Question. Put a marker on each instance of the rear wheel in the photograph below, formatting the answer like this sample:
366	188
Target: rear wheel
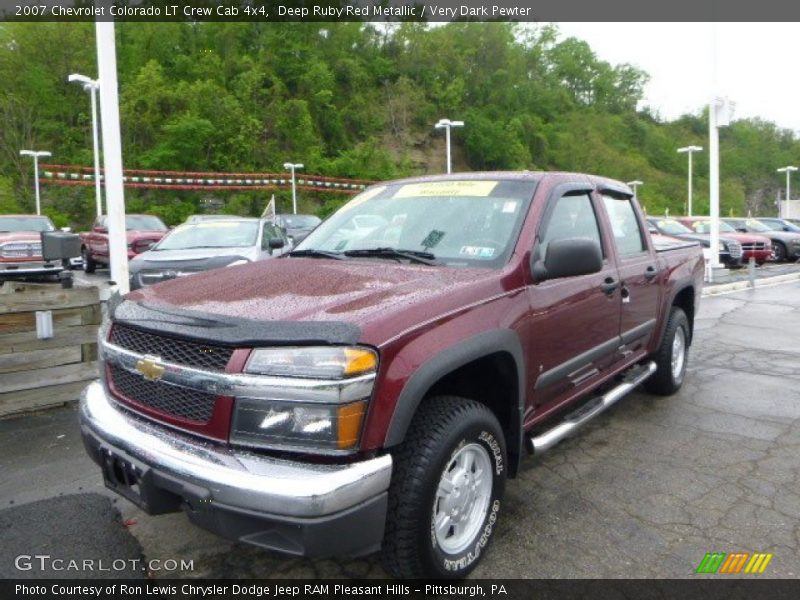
89	265
444	499
671	356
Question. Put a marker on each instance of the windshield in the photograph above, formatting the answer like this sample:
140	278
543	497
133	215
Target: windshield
211	234
15	224
301	221
756	225
671	227
144	223
463	223
705	227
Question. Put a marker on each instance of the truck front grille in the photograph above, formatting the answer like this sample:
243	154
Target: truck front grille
174	350
735	249
184	403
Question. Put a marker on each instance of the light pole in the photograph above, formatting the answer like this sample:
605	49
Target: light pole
447	124
36	154
689	150
92	86
292	167
720	113
634	184
788	170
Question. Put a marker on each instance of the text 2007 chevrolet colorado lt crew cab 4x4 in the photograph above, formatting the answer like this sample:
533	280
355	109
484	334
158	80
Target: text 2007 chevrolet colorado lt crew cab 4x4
375	388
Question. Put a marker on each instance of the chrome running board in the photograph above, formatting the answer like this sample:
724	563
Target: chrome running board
587	412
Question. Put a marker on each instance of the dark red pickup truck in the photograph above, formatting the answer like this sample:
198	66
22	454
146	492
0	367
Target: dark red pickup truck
141	232
375	388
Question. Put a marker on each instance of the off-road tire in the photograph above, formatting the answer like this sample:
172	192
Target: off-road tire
442	427
664	382
89	265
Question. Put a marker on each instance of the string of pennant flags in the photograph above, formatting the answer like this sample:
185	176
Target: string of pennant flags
187	180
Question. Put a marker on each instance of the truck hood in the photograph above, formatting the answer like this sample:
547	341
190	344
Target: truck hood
747	238
133	235
20	236
381	297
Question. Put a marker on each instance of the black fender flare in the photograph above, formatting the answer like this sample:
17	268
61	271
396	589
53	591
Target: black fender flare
447	361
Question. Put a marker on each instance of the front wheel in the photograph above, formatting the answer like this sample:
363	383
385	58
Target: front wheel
447	486
671	356
89	265
778	252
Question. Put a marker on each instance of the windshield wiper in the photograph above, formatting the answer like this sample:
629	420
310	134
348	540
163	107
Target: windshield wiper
314	253
425	258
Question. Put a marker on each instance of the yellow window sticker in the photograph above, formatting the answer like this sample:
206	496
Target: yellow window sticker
446	188
363	197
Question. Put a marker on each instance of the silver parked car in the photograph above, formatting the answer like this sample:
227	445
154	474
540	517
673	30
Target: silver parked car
208	244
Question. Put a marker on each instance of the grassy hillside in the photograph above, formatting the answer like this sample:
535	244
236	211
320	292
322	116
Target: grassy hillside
353	100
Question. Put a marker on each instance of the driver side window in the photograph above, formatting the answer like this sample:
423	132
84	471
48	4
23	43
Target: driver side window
573	217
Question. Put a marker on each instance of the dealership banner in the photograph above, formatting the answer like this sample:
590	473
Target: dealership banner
399	10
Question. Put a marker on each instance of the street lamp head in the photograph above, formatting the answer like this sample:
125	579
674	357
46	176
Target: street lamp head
37	153
290	166
635	182
690	149
448	123
789	169
80	79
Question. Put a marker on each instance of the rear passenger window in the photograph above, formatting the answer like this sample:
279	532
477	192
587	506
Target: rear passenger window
573	217
625	225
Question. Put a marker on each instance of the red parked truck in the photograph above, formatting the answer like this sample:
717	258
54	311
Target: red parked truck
375	388
142	231
21	247
757	247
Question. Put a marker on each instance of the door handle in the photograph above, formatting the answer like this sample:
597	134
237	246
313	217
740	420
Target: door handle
609	285
650	272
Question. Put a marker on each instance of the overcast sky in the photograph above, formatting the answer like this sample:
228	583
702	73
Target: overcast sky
757	64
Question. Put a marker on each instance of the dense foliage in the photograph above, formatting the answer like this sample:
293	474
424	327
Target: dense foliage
356	100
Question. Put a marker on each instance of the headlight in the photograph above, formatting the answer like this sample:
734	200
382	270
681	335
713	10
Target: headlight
329	425
296	425
242	261
334	362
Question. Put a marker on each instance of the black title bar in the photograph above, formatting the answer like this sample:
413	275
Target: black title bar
675	11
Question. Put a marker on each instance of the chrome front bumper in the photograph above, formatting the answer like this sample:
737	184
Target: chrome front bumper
235	479
30	268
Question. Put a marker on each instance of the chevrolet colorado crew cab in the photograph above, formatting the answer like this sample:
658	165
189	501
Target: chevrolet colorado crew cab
376	387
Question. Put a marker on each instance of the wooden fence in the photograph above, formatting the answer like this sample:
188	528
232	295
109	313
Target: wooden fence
37	373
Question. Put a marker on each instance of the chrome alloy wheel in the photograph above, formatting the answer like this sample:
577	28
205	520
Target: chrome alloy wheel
462	498
678	353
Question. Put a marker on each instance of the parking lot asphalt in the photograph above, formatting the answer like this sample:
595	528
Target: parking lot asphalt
645	490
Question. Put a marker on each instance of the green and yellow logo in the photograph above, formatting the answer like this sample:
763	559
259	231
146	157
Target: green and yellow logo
735	562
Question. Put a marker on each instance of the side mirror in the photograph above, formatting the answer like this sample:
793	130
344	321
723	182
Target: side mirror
275	243
569	257
741	229
66	229
652	229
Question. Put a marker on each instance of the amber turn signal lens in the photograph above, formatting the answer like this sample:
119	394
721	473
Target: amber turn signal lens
349	418
358	361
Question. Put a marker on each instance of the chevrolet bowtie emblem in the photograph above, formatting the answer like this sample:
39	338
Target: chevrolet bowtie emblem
149	367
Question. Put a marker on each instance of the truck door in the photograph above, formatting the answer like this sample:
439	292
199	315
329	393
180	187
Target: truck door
638	272
573	333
